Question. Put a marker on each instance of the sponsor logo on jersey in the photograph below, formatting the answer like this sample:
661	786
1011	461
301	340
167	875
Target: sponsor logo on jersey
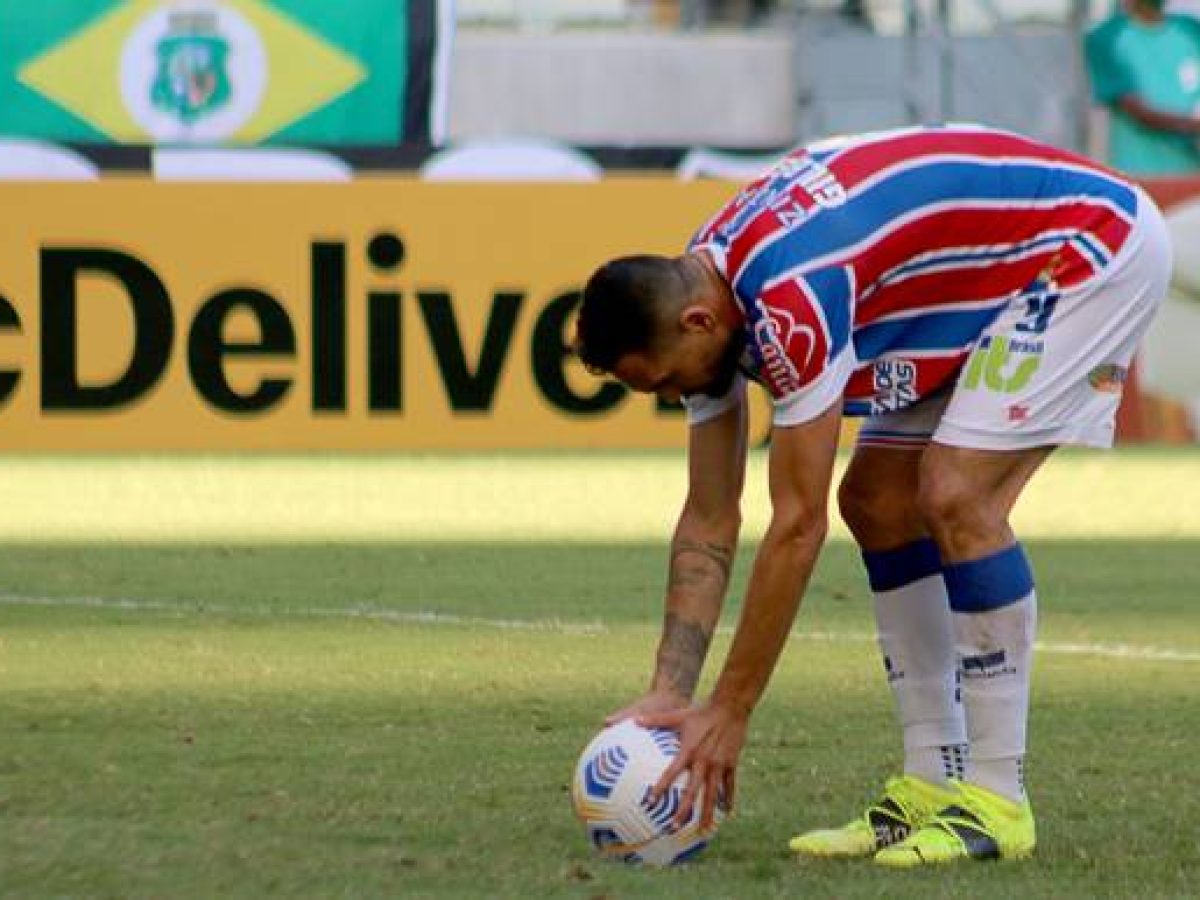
779	193
774	333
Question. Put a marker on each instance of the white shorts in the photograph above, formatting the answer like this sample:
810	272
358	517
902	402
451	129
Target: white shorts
1059	381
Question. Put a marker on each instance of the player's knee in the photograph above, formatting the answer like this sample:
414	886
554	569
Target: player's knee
946	502
869	508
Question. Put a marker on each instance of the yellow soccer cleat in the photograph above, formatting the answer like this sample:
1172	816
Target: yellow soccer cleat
906	803
978	824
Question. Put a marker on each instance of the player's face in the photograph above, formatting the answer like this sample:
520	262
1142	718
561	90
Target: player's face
693	362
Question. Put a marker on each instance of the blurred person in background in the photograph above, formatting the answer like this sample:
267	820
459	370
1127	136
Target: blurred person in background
1144	66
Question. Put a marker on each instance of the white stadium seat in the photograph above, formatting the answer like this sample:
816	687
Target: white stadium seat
510	159
22	160
248	165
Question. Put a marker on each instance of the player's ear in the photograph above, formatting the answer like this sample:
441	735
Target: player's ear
697	317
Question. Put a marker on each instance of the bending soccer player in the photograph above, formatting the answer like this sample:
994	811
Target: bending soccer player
978	298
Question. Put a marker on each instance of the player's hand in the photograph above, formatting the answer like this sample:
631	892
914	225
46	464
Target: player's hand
651	703
710	741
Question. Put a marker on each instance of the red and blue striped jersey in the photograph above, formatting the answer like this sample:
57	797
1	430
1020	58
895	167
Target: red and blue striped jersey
870	266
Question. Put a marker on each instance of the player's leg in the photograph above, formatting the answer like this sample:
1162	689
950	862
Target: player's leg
878	501
965	498
1048	372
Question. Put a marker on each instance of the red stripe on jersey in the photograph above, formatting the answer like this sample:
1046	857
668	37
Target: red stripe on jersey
1112	233
970	227
859	162
931	290
936	371
1073	267
861	385
754	235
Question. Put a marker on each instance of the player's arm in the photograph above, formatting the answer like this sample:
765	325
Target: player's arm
801	468
1160	120
702	551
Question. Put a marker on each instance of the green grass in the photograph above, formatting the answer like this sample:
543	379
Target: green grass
219	677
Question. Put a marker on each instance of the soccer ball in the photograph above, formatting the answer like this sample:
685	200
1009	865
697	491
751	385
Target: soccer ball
612	780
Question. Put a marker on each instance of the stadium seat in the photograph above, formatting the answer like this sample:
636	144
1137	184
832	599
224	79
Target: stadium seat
22	160
510	159
248	165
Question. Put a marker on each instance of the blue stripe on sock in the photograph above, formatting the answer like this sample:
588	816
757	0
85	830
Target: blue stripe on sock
989	583
891	569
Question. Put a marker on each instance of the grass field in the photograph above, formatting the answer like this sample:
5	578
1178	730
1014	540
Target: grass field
370	677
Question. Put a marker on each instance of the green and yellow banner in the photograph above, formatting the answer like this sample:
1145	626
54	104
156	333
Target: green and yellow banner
238	72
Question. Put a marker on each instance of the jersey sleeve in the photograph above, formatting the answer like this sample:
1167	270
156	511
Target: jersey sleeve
801	335
809	402
702	408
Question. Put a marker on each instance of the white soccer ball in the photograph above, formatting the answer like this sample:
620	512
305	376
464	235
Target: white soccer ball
612	780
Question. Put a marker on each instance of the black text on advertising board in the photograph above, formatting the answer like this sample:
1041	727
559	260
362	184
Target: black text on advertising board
470	381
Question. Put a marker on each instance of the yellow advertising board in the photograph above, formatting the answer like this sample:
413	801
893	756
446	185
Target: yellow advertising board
372	315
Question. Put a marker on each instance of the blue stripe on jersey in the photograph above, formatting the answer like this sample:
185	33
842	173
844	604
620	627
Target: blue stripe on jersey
931	330
908	191
1096	252
832	290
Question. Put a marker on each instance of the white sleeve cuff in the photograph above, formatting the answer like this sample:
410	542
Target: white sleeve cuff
702	408
810	401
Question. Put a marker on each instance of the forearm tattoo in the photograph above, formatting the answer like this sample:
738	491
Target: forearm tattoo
692	564
701	569
681	653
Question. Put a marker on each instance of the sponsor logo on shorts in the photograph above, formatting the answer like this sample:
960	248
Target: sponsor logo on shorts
1108	378
1018	413
1002	364
895	383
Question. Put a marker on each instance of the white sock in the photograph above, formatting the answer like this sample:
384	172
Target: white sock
913	622
995	617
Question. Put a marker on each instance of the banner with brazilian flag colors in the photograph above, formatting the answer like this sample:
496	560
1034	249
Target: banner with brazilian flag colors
239	72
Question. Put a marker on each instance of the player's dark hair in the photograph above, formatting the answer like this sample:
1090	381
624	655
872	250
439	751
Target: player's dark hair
624	303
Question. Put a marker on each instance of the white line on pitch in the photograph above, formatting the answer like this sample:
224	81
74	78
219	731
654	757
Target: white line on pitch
557	626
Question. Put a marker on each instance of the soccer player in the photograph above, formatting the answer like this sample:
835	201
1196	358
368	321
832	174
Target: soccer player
978	297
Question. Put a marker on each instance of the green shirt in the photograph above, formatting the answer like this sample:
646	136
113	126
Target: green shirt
1160	65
